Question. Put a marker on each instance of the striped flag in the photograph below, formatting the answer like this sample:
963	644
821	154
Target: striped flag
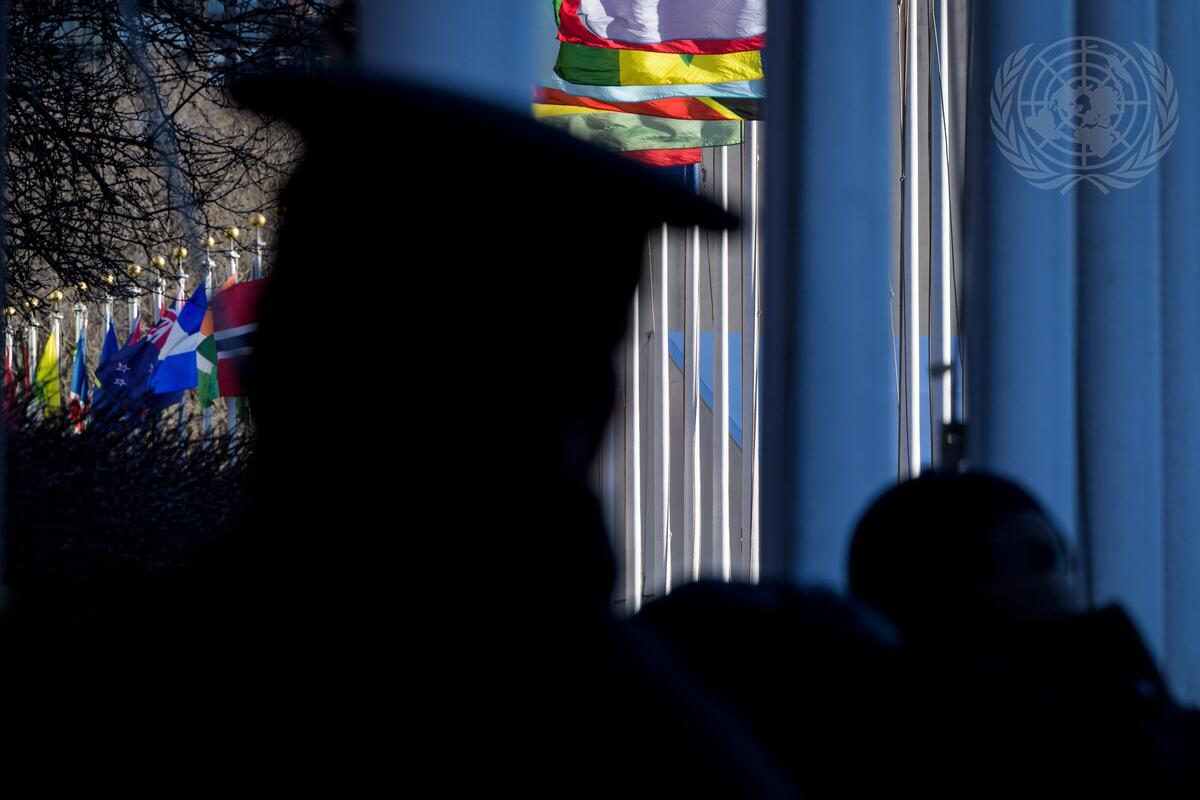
235	321
665	26
616	131
207	390
705	108
639	94
601	66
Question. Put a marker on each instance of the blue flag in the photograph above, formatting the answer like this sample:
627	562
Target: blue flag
80	385
177	345
125	382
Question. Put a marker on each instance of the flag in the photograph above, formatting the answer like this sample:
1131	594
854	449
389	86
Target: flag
110	346
207	388
137	331
47	381
639	94
705	108
235	320
176	342
80	398
600	66
12	407
125	383
665	26
665	158
615	131
109	349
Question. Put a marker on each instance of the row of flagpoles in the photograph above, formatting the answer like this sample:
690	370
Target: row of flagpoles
665	82
195	344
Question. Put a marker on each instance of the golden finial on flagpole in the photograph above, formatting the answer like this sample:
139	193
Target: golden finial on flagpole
10	311
55	297
258	220
179	253
158	262
81	287
133	270
233	233
110	279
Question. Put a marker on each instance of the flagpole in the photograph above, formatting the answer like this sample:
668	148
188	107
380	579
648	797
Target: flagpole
662	422
180	253
9	342
209	266
135	299
633	466
34	325
160	284
721	538
259	222
750	336
691	414
918	76
945	368
56	336
109	280
231	272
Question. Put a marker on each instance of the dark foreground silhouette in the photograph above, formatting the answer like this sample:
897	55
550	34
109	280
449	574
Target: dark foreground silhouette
418	593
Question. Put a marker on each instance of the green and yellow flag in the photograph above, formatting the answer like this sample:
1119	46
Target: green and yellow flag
47	381
601	66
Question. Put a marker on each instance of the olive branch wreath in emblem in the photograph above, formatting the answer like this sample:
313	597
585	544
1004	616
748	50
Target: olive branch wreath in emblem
1039	171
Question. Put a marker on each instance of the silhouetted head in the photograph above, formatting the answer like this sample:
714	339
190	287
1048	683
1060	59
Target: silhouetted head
950	546
436	341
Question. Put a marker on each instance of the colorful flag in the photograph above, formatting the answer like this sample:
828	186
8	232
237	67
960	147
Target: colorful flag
110	346
665	26
601	66
704	108
47	381
641	94
177	342
137	331
235	320
665	158
207	388
615	131
80	399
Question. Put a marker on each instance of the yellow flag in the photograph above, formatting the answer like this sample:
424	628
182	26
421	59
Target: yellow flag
47	381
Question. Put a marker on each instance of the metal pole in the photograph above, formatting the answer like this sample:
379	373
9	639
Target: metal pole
209	266
662	423
721	537
917	218
633	469
945	355
691	406
258	221
181	293
135	298
34	326
750	322
159	286
231	267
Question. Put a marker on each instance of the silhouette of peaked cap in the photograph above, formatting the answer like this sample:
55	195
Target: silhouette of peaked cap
351	110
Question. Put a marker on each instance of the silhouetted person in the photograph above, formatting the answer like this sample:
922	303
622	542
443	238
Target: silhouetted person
431	380
1022	693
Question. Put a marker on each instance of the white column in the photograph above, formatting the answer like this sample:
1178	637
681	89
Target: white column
721	537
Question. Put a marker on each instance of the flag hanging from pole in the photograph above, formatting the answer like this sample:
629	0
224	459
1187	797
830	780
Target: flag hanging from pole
80	399
665	26
666	158
639	94
235	321
600	66
207	389
700	108
616	131
47	381
177	342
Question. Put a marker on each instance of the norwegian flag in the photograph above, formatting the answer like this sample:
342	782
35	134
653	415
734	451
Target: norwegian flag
235	321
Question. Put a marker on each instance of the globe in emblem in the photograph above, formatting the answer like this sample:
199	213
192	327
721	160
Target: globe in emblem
1085	102
1084	109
